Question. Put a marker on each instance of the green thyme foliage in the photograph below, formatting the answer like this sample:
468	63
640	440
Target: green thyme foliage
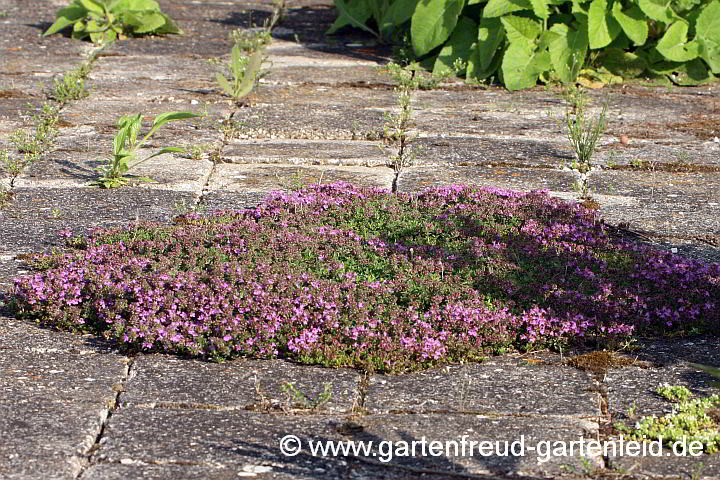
108	20
126	144
521	42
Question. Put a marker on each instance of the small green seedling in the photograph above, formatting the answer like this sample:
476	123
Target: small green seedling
302	400
125	146
72	85
108	20
244	71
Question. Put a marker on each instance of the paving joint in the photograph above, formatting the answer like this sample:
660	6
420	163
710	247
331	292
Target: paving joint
88	455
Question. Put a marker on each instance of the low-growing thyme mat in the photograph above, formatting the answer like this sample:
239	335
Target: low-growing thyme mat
345	276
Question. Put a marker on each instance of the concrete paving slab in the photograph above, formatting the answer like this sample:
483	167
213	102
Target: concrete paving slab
53	406
235	439
491	152
507	386
221	439
160	381
310	152
704	467
103	114
31	222
306	152
419	178
315	113
528	456
269	178
30	338
673	155
631	391
221	200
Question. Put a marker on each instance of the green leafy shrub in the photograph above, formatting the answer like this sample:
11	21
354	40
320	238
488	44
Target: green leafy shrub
523	41
107	20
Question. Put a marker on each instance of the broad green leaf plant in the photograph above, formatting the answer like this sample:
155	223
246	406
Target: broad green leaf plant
521	42
108	20
244	71
126	145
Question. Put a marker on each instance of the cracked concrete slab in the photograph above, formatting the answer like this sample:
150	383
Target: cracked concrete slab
160	381
32	221
504	386
270	178
419	178
306	152
54	400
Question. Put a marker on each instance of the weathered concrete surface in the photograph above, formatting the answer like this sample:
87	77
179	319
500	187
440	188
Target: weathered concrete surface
268	178
167	382
56	392
32	221
504	386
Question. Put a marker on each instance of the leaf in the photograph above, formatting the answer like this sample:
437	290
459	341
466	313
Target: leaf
143	22
66	17
673	45
602	27
694	72
491	34
224	84
164	150
399	12
458	45
708	22
498	8
169	26
521	29
522	65
658	10
92	6
540	8
354	15
707	30
567	51
167	117
622	63
432	22
632	21
251	70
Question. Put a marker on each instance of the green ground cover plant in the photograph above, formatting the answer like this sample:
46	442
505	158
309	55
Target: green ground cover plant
126	145
692	420
108	20
343	276
521	42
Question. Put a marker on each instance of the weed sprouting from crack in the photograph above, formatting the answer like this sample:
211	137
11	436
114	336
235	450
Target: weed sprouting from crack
583	133
397	125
